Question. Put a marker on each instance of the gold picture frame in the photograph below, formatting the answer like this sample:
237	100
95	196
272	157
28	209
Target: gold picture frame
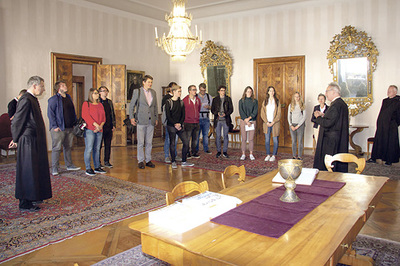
134	80
352	58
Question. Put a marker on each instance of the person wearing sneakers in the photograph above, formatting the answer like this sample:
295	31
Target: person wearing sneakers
204	120
248	109
109	126
175	113
62	118
222	108
296	119
95	117
192	115
166	140
271	116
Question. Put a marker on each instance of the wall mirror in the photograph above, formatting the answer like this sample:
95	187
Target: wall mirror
352	58
216	67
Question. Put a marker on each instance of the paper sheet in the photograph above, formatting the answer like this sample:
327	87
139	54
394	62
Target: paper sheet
306	177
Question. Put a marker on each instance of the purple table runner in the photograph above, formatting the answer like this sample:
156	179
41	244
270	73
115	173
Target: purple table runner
268	216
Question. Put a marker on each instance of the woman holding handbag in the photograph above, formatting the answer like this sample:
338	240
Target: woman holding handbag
94	115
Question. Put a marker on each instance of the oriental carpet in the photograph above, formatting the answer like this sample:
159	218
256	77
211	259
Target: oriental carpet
383	252
259	167
80	204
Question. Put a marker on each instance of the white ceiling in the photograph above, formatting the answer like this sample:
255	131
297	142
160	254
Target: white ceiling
156	9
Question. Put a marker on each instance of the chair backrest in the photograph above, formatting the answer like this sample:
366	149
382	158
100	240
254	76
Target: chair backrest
5	126
185	188
234	170
237	122
345	158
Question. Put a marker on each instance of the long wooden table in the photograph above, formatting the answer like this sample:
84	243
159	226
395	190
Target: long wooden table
320	238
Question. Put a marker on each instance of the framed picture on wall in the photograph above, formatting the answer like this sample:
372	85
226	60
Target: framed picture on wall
134	80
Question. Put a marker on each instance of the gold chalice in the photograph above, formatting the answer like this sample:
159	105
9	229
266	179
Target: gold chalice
290	170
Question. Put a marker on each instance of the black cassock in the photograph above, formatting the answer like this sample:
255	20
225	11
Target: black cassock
386	143
333	135
28	131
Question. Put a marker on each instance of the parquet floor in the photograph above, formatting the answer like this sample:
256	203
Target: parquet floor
97	245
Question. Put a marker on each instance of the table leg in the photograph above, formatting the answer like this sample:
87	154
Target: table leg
351	258
356	147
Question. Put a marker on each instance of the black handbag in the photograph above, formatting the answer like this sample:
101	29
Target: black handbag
79	128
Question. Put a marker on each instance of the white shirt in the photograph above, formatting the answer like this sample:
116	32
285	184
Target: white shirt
270	110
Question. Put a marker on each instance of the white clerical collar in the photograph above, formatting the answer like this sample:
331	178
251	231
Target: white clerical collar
31	94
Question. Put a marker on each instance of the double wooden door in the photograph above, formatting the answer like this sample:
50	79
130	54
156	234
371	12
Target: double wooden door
111	76
286	74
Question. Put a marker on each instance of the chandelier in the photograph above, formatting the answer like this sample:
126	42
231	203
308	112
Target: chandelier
180	40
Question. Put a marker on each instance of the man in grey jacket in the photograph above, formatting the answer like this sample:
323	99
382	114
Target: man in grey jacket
143	113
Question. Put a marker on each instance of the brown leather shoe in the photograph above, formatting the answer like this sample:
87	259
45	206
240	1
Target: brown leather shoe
150	164
141	165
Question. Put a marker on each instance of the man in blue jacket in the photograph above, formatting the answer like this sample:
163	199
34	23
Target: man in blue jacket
62	117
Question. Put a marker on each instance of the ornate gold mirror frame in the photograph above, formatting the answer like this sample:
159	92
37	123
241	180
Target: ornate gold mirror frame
216	67
352	57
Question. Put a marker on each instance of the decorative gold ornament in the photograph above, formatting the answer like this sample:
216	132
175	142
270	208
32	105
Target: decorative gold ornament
215	59
180	41
352	57
290	170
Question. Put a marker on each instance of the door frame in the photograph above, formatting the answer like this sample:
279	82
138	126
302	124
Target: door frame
275	60
75	59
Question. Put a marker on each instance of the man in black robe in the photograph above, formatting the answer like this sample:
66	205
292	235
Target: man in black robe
28	130
333	134
386	143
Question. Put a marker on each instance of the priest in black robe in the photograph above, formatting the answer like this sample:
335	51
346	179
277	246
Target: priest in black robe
29	134
386	143
333	134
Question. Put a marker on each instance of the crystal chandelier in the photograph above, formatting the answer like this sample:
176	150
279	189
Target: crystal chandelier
180	40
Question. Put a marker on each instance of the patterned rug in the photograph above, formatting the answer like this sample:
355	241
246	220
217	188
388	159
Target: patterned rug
383	252
80	203
259	167
253	168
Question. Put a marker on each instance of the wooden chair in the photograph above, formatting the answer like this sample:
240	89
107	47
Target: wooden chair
235	134
185	188
5	134
234	170
345	158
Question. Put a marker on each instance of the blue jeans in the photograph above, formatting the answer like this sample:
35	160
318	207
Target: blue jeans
222	125
267	141
204	129
297	138
166	143
92	145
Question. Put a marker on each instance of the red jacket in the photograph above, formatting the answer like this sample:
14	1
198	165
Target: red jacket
93	113
192	110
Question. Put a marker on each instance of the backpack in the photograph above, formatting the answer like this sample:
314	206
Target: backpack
164	114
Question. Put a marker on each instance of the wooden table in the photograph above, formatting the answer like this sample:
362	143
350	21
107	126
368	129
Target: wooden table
320	238
356	147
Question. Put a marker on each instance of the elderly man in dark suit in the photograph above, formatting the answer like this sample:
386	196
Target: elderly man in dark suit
143	113
334	130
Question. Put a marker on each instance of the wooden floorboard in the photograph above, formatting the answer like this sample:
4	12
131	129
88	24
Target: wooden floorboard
105	242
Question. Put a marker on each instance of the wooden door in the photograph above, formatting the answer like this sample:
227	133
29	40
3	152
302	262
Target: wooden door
64	72
114	78
286	74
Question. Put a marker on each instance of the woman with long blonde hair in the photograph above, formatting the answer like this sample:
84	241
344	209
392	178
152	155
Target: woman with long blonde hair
296	119
271	116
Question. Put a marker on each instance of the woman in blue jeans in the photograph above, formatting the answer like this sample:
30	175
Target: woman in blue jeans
95	117
296	119
271	116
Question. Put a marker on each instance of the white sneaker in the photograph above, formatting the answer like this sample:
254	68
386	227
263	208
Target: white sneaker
186	164
174	166
252	157
267	158
243	157
167	160
272	158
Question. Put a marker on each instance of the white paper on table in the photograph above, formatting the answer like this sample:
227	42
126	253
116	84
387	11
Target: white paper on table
193	211
249	128
306	177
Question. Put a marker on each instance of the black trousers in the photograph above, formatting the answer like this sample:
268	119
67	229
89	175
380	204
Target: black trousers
192	133
107	138
172	131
